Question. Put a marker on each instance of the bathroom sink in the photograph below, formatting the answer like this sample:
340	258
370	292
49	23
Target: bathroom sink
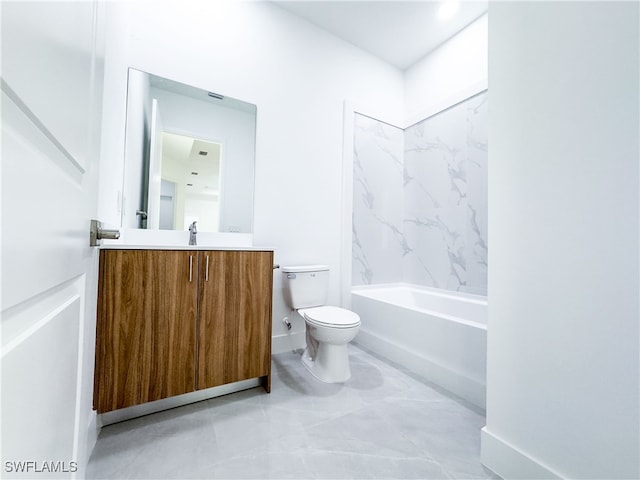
178	240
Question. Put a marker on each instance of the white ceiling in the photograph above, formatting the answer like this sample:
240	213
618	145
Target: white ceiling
182	154
399	32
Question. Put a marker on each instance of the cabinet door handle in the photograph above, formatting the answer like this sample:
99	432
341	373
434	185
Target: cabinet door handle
190	268
206	271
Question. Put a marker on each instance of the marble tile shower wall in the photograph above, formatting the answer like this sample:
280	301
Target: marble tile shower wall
378	237
420	200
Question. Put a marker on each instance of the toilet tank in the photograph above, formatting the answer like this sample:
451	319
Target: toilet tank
306	286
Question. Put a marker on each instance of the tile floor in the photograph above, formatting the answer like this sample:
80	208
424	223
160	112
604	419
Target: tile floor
382	423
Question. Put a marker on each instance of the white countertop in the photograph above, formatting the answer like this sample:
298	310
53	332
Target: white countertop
186	247
135	239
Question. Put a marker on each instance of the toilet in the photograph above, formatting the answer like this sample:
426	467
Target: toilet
329	329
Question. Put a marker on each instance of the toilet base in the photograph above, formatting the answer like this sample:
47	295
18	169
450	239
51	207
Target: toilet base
331	363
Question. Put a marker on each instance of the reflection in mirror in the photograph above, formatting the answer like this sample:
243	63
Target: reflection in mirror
190	183
189	156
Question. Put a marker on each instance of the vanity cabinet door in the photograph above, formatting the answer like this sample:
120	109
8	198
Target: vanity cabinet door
145	343
234	328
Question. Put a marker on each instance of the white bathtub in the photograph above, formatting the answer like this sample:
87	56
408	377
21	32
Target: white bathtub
436	334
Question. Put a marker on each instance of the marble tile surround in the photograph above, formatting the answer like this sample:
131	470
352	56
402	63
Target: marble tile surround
378	238
420	200
382	423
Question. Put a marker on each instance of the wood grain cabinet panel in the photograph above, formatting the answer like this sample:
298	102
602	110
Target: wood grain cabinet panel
146	326
171	322
234	328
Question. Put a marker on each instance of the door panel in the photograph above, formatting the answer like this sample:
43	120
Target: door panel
252	310
217	337
31	389
51	113
42	196
48	61
234	332
155	168
146	327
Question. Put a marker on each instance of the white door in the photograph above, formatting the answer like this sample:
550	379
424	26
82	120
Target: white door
51	108
155	167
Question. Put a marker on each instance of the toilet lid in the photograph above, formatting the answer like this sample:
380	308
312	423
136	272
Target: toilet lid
332	317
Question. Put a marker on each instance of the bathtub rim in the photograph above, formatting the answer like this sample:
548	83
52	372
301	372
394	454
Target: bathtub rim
479	300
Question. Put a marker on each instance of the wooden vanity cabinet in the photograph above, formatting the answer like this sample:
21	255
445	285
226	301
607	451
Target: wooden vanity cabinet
234	328
146	326
173	321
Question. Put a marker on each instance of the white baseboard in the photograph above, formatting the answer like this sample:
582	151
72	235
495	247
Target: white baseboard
509	462
128	413
91	438
288	342
453	381
93	430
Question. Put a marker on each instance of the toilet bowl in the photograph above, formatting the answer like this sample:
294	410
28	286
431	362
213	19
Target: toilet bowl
329	329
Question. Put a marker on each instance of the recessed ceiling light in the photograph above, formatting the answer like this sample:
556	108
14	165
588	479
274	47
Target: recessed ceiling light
448	9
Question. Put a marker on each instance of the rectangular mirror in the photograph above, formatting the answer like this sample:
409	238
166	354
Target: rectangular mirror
189	156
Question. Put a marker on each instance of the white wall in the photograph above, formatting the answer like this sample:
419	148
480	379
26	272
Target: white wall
563	377
454	71
114	111
298	76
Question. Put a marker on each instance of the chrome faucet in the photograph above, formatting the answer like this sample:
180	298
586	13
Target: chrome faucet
192	234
